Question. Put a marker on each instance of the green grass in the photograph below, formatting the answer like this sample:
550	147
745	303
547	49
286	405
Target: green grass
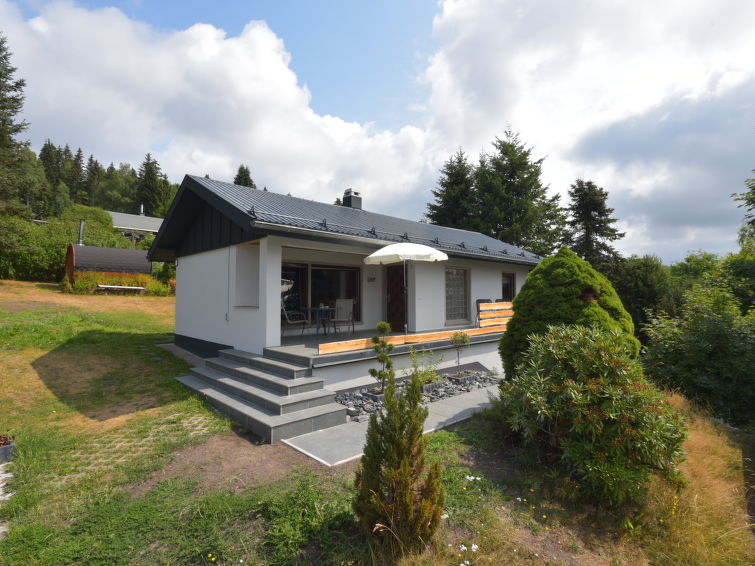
94	407
171	524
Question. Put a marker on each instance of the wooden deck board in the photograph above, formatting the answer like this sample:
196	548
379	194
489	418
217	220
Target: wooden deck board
365	343
495	306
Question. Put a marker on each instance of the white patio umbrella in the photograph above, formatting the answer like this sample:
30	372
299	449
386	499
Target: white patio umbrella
403	252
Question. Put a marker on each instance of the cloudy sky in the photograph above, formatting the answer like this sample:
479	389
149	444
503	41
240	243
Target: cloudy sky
654	101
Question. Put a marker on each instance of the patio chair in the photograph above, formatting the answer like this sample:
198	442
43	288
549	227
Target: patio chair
344	314
295	318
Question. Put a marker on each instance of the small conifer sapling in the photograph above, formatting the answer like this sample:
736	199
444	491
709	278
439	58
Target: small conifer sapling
399	499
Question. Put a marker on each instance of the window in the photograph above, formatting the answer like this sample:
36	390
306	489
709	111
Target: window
457	295
507	286
331	283
295	299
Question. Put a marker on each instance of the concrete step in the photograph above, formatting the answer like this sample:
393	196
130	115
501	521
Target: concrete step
277	402
261	378
270	365
288	356
270	427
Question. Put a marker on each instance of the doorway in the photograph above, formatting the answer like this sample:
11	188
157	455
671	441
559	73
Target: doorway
396	297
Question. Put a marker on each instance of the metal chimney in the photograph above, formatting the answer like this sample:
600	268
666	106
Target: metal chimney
141	210
81	232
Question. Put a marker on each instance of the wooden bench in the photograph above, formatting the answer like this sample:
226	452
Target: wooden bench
495	314
118	288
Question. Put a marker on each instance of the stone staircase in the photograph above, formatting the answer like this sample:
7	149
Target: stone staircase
273	398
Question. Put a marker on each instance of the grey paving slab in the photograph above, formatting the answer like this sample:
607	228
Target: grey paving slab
342	443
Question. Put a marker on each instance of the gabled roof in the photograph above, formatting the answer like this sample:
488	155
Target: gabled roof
263	212
135	222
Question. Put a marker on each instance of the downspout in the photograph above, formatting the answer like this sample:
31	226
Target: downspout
228	287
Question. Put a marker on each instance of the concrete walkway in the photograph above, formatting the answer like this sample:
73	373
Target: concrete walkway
342	443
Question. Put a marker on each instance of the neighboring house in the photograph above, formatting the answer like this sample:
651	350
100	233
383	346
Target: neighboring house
112	260
233	245
245	257
135	226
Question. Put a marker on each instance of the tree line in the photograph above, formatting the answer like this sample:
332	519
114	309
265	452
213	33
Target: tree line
503	196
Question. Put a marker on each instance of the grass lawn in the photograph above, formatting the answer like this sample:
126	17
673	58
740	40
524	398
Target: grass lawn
118	464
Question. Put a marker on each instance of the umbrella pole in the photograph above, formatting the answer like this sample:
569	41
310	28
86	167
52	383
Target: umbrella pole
406	302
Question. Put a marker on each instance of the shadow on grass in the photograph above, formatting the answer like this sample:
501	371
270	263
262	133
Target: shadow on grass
104	374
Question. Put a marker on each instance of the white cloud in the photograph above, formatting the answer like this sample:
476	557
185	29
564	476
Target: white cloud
574	78
202	102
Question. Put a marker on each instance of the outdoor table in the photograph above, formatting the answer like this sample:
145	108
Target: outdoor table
321	317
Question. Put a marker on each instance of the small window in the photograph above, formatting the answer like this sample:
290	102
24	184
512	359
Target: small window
457	295
507	286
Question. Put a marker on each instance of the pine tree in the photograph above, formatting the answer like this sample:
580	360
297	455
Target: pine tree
244	177
502	197
52	161
454	204
93	176
590	224
399	500
512	202
153	189
74	178
11	104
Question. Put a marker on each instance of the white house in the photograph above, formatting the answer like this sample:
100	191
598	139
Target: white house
234	245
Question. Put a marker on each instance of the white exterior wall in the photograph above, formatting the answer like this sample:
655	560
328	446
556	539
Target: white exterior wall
232	296
202	296
427	288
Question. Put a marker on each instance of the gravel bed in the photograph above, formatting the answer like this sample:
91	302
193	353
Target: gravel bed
360	404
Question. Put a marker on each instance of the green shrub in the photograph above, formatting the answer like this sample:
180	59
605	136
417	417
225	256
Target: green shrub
644	283
459	340
399	500
424	365
382	348
708	352
564	289
36	252
580	396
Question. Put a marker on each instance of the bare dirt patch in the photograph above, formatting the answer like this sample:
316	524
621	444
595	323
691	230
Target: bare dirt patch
236	460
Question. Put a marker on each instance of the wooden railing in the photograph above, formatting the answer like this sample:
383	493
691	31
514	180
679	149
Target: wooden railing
495	314
365	343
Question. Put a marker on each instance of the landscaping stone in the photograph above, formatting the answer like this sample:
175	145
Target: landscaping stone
5	475
362	403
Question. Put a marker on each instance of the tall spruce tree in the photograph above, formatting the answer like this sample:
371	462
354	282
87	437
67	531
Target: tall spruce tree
590	224
52	161
92	178
513	204
454	204
244	177
502	196
74	177
11	149
747	198
153	189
